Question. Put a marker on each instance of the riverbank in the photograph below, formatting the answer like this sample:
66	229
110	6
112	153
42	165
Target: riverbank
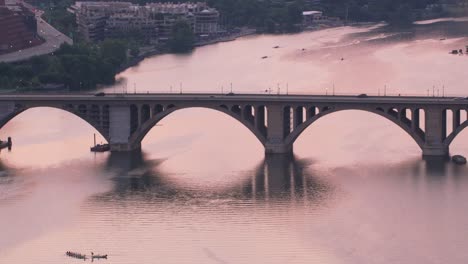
242	33
151	51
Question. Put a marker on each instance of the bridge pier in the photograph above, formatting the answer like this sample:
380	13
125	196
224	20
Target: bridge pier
277	128
272	148
120	129
124	147
435	133
435	151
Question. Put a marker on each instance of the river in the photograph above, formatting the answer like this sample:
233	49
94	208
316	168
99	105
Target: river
202	190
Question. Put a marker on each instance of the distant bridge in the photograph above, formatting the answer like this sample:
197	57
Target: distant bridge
276	120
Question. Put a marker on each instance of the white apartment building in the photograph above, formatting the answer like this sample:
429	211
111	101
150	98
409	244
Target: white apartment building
98	20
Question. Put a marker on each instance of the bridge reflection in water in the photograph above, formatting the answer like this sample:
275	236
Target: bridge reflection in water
277	177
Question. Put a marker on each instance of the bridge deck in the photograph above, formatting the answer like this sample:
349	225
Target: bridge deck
210	97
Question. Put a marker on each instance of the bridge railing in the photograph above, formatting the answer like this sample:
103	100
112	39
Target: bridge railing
245	92
293	92
286	91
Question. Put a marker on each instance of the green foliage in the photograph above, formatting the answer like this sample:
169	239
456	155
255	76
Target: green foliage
182	38
114	51
81	66
268	15
396	12
57	15
134	49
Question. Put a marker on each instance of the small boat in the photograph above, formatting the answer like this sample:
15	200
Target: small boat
6	144
276	47
75	255
264	57
459	160
100	148
98	256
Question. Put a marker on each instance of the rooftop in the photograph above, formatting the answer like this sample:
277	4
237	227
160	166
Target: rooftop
308	13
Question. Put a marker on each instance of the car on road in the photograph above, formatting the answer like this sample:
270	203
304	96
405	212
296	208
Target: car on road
230	94
362	96
100	94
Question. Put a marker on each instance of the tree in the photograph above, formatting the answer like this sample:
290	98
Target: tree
115	50
182	38
402	16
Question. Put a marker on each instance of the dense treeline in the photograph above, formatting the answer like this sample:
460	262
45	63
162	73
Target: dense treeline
398	12
182	38
285	14
270	16
56	14
77	67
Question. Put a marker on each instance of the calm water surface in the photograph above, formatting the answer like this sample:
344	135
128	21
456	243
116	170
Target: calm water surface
202	191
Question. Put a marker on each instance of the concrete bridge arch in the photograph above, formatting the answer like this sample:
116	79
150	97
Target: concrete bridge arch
150	115
400	120
85	112
458	124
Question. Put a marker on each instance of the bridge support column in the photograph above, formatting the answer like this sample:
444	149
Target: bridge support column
272	148
119	129
124	147
276	132
435	132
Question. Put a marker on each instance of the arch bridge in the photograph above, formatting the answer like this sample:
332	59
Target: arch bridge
276	120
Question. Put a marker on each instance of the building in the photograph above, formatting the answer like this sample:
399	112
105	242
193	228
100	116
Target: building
311	17
153	21
18	28
206	22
